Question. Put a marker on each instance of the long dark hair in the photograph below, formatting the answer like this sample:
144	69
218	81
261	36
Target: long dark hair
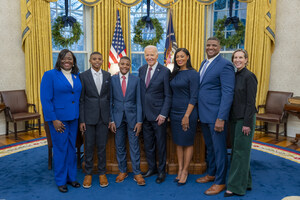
176	67
61	55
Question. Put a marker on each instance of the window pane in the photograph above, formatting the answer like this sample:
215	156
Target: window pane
80	57
75	10
136	13
136	60
221	9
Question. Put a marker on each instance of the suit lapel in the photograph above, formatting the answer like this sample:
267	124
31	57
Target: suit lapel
118	84
155	75
104	79
91	80
211	66
62	77
129	84
75	78
143	73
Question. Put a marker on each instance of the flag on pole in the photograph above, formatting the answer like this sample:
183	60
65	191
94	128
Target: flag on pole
170	46
117	49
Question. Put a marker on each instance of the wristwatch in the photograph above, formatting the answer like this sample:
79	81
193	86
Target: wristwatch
220	119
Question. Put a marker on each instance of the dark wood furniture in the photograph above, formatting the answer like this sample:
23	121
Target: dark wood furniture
274	111
294	109
17	109
197	166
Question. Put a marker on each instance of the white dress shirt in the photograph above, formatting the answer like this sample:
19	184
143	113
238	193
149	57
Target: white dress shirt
121	78
152	71
209	62
98	78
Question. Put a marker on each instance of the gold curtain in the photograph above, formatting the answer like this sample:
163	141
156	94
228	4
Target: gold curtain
36	44
189	26
104	21
260	42
90	2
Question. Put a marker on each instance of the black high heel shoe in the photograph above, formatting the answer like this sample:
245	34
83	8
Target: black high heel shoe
176	180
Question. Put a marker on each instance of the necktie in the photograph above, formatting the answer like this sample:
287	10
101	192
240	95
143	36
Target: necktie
202	72
124	85
98	82
148	77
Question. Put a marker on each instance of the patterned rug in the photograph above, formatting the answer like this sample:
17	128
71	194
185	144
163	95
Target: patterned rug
260	146
22	146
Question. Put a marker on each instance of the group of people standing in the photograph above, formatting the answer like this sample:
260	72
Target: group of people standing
96	102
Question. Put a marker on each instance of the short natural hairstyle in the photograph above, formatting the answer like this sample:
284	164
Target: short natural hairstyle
151	46
214	38
95	53
240	50
125	58
61	55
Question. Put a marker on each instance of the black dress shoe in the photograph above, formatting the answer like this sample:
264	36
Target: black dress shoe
160	178
149	173
74	184
226	194
63	188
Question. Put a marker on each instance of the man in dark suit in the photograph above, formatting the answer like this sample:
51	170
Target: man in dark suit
126	117
156	103
95	116
215	97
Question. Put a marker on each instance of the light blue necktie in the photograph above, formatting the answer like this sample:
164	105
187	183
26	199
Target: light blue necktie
203	71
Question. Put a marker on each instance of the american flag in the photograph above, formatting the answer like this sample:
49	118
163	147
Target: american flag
117	49
170	45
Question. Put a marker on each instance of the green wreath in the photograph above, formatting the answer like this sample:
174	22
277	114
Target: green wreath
141	24
58	39
233	40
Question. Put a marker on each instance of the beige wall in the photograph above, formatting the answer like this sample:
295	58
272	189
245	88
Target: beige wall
285	67
12	67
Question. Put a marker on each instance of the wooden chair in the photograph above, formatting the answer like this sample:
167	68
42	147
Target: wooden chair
16	109
274	111
79	142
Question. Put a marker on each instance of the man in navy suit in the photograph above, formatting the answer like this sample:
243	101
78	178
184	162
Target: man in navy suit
95	116
126	117
215	97
156	103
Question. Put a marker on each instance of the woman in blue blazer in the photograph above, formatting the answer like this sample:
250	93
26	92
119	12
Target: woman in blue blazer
60	92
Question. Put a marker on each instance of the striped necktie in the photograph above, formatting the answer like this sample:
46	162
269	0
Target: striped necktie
204	68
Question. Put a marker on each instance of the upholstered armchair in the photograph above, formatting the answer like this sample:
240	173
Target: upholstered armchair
274	111
16	109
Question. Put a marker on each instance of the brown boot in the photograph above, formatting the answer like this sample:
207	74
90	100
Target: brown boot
139	180
205	179
87	182
120	178
103	180
215	189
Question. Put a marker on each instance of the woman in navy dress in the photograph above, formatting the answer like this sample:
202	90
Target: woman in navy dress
184	84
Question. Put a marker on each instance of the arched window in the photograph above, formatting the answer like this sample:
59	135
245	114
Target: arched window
80	13
220	9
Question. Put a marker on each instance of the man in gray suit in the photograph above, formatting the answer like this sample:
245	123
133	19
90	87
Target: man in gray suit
95	116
